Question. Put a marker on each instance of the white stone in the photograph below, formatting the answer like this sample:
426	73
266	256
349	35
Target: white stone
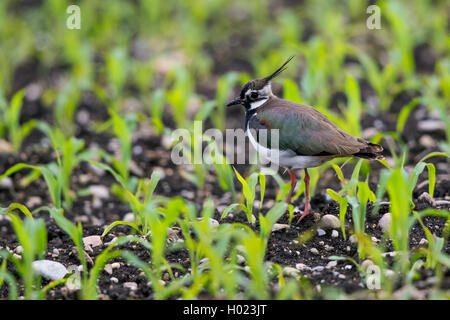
279	226
301	266
321	232
240	259
292	272
426	197
18	250
314	251
115	265
331	264
318	268
92	242
108	269
213	223
334	234
129	217
423	242
353	239
50	270
366	263
431	125
99	191
385	222
6	183
130	285
329	221
427	141
34	201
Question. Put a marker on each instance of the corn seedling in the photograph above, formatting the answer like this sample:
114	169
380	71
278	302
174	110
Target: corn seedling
224	85
179	96
10	120
123	128
32	236
156	107
65	107
249	192
142	203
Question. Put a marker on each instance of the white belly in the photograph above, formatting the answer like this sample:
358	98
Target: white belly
286	158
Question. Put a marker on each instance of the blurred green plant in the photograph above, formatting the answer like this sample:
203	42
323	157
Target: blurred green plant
10	120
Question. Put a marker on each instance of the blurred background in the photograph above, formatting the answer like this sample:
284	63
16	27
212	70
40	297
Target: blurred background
116	88
169	62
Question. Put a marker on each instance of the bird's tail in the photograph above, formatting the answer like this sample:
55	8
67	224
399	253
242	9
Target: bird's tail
372	151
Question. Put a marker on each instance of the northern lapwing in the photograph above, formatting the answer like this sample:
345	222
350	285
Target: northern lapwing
307	138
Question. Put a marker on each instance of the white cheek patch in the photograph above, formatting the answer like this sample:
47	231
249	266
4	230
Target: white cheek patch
257	104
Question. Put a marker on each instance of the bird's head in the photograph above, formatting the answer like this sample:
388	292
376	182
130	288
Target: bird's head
256	92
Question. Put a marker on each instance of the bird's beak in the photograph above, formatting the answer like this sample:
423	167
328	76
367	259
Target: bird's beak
234	102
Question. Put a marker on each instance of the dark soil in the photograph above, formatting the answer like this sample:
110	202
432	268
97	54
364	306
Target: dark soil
284	247
149	154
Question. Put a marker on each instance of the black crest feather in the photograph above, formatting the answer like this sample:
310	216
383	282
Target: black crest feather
279	70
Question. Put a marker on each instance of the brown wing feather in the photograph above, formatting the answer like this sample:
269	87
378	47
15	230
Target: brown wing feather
307	131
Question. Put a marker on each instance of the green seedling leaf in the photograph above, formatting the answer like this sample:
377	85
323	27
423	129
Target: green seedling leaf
229	209
125	223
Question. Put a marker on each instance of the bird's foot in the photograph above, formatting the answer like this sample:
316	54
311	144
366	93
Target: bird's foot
304	214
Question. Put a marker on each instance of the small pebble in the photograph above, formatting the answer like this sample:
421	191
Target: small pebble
423	242
321	232
129	217
329	221
314	251
99	191
114	280
50	270
426	197
292	272
92	242
18	250
427	141
108	269
301	266
331	264
280	226
385	222
162	282
130	285
115	265
431	125
318	268
366	263
334	234
6	183
34	202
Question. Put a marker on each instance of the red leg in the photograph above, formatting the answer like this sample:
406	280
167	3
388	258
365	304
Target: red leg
306	212
293	184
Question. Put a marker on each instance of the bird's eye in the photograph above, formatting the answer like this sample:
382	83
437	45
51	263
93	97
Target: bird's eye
254	95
